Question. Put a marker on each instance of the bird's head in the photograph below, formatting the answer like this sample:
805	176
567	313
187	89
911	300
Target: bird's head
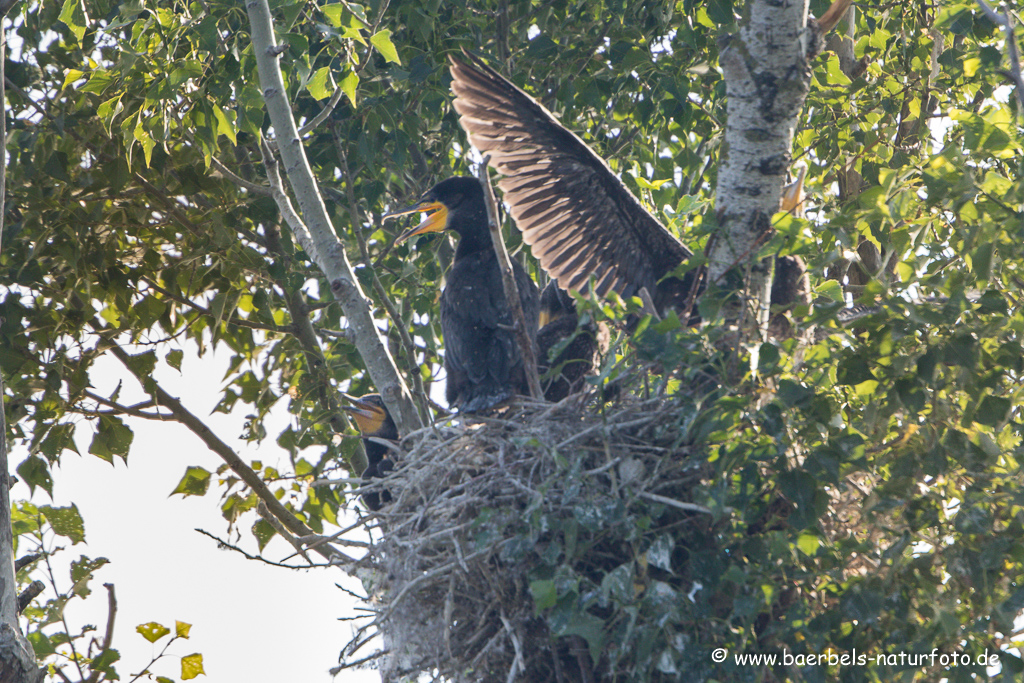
447	204
555	302
371	416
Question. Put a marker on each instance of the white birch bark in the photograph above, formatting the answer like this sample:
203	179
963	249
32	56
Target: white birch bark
767	77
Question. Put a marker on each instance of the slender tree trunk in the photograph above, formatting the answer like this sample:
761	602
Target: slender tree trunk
17	661
315	232
767	77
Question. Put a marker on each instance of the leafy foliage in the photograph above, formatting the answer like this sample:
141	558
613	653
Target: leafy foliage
866	484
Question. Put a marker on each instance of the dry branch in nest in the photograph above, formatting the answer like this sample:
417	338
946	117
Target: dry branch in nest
485	512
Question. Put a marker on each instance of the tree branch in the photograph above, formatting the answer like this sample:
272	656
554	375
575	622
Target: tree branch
378	288
323	245
508	283
226	453
134	411
257	558
17	660
108	637
1012	50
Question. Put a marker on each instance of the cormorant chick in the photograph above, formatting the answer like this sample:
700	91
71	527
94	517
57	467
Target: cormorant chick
374	420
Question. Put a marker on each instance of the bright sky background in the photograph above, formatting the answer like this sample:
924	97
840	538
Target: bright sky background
251	622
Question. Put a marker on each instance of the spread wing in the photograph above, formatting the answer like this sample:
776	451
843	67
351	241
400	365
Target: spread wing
578	218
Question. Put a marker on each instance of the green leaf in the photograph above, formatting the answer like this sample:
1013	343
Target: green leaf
112	437
263	532
72	75
72	13
993	411
195	482
174	358
650	185
41	645
147	141
981	260
618	584
65	522
660	553
382	41
808	544
349	84
853	370
224	126
104	662
82	571
333	13
545	595
34	472
191	666
152	631
110	110
321	85
590	628
99	80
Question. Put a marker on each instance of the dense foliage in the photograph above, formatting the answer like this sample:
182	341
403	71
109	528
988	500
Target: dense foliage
866	484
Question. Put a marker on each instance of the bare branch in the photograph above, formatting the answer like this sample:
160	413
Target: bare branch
257	558
134	411
226	453
1012	50
255	188
324	113
108	637
508	282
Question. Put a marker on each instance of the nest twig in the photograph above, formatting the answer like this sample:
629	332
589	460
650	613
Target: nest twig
449	573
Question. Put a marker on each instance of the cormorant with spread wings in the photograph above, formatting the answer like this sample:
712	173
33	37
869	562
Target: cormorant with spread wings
579	219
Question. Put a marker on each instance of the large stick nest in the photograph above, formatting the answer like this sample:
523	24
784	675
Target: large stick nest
482	510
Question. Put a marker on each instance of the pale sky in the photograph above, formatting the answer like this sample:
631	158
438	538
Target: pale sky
252	622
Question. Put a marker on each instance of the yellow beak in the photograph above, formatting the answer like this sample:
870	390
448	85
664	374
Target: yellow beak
368	416
434	222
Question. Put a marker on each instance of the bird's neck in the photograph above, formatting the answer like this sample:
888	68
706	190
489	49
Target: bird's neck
474	235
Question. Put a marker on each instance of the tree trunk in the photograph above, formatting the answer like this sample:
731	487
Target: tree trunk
17	660
767	76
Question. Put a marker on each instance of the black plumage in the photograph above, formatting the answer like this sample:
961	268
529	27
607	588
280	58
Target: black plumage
564	374
374	420
580	220
481	357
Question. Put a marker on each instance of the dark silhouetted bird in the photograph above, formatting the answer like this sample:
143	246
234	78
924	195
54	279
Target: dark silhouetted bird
374	420
558	321
579	219
481	357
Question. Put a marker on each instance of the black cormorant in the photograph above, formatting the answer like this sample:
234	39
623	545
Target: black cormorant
558	321
579	219
481	357
374	420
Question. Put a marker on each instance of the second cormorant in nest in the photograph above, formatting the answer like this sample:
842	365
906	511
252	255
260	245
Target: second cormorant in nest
559	320
579	219
481	357
374	420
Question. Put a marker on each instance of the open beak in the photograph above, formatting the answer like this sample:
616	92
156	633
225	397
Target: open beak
368	417
434	222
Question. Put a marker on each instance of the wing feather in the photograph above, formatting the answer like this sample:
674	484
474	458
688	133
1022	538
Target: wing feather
577	216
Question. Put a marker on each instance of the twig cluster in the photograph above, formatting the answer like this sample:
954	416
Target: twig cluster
448	575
